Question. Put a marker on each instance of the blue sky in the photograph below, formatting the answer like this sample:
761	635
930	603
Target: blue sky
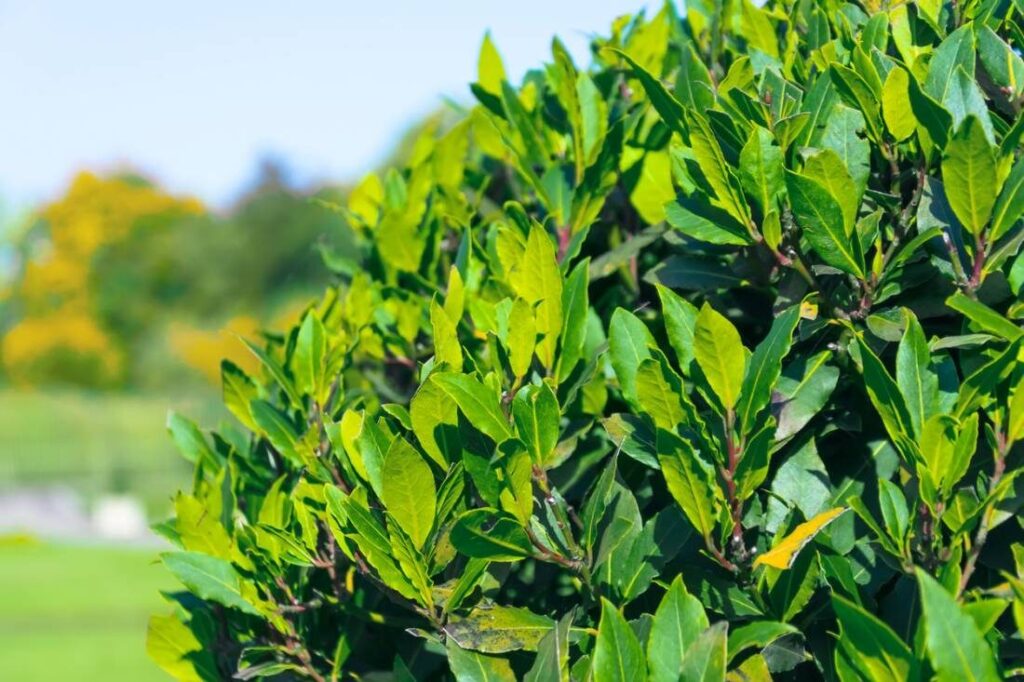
194	93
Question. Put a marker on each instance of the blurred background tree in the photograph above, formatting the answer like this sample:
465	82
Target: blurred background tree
117	283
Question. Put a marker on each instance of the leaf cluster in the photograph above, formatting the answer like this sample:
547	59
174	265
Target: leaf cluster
700	363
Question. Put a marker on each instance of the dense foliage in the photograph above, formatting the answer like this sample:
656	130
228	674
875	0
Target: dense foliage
701	363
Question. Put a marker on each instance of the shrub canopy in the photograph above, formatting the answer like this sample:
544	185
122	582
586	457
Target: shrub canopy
699	362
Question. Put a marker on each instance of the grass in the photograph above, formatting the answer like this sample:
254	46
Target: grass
95	443
78	612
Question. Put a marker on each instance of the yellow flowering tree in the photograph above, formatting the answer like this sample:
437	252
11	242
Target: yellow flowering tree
57	335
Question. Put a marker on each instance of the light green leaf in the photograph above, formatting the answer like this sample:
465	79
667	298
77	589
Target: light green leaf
522	337
628	341
478	402
659	393
762	169
552	662
470	666
969	176
720	354
955	647
536	415
918	383
490	70
680	324
871	647
435	422
690	481
677	624
447	348
172	645
828	170
984	317
308	358
575	304
209	578
491	534
617	653
764	368
538	280
819	215
1009	206
408	490
704	660
724	184
896	109
498	629
758	634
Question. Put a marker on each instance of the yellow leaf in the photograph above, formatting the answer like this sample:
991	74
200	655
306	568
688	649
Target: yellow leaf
783	554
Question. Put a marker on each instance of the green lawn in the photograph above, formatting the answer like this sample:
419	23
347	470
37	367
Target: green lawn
71	612
95	442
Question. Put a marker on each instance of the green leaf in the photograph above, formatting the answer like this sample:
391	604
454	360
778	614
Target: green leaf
536	415
984	317
276	371
434	418
956	649
447	349
490	70
470	666
821	218
755	458
617	653
871	647
931	115
758	634
680	324
522	337
695	217
209	578
888	400
803	389
189	439
628	341
764	368
827	169
575	304
552	662
1009	206
308	357
896	108
895	514
538	280
704	660
856	92
720	354
690	481
408	490
1002	64
914	376
724	184
969	176
957	50
667	106
677	624
491	534
762	169
478	402
498	629
172	645
659	393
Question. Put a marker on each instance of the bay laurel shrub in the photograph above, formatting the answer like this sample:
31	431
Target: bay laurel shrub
701	362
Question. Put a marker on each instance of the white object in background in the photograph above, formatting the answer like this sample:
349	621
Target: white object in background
119	517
